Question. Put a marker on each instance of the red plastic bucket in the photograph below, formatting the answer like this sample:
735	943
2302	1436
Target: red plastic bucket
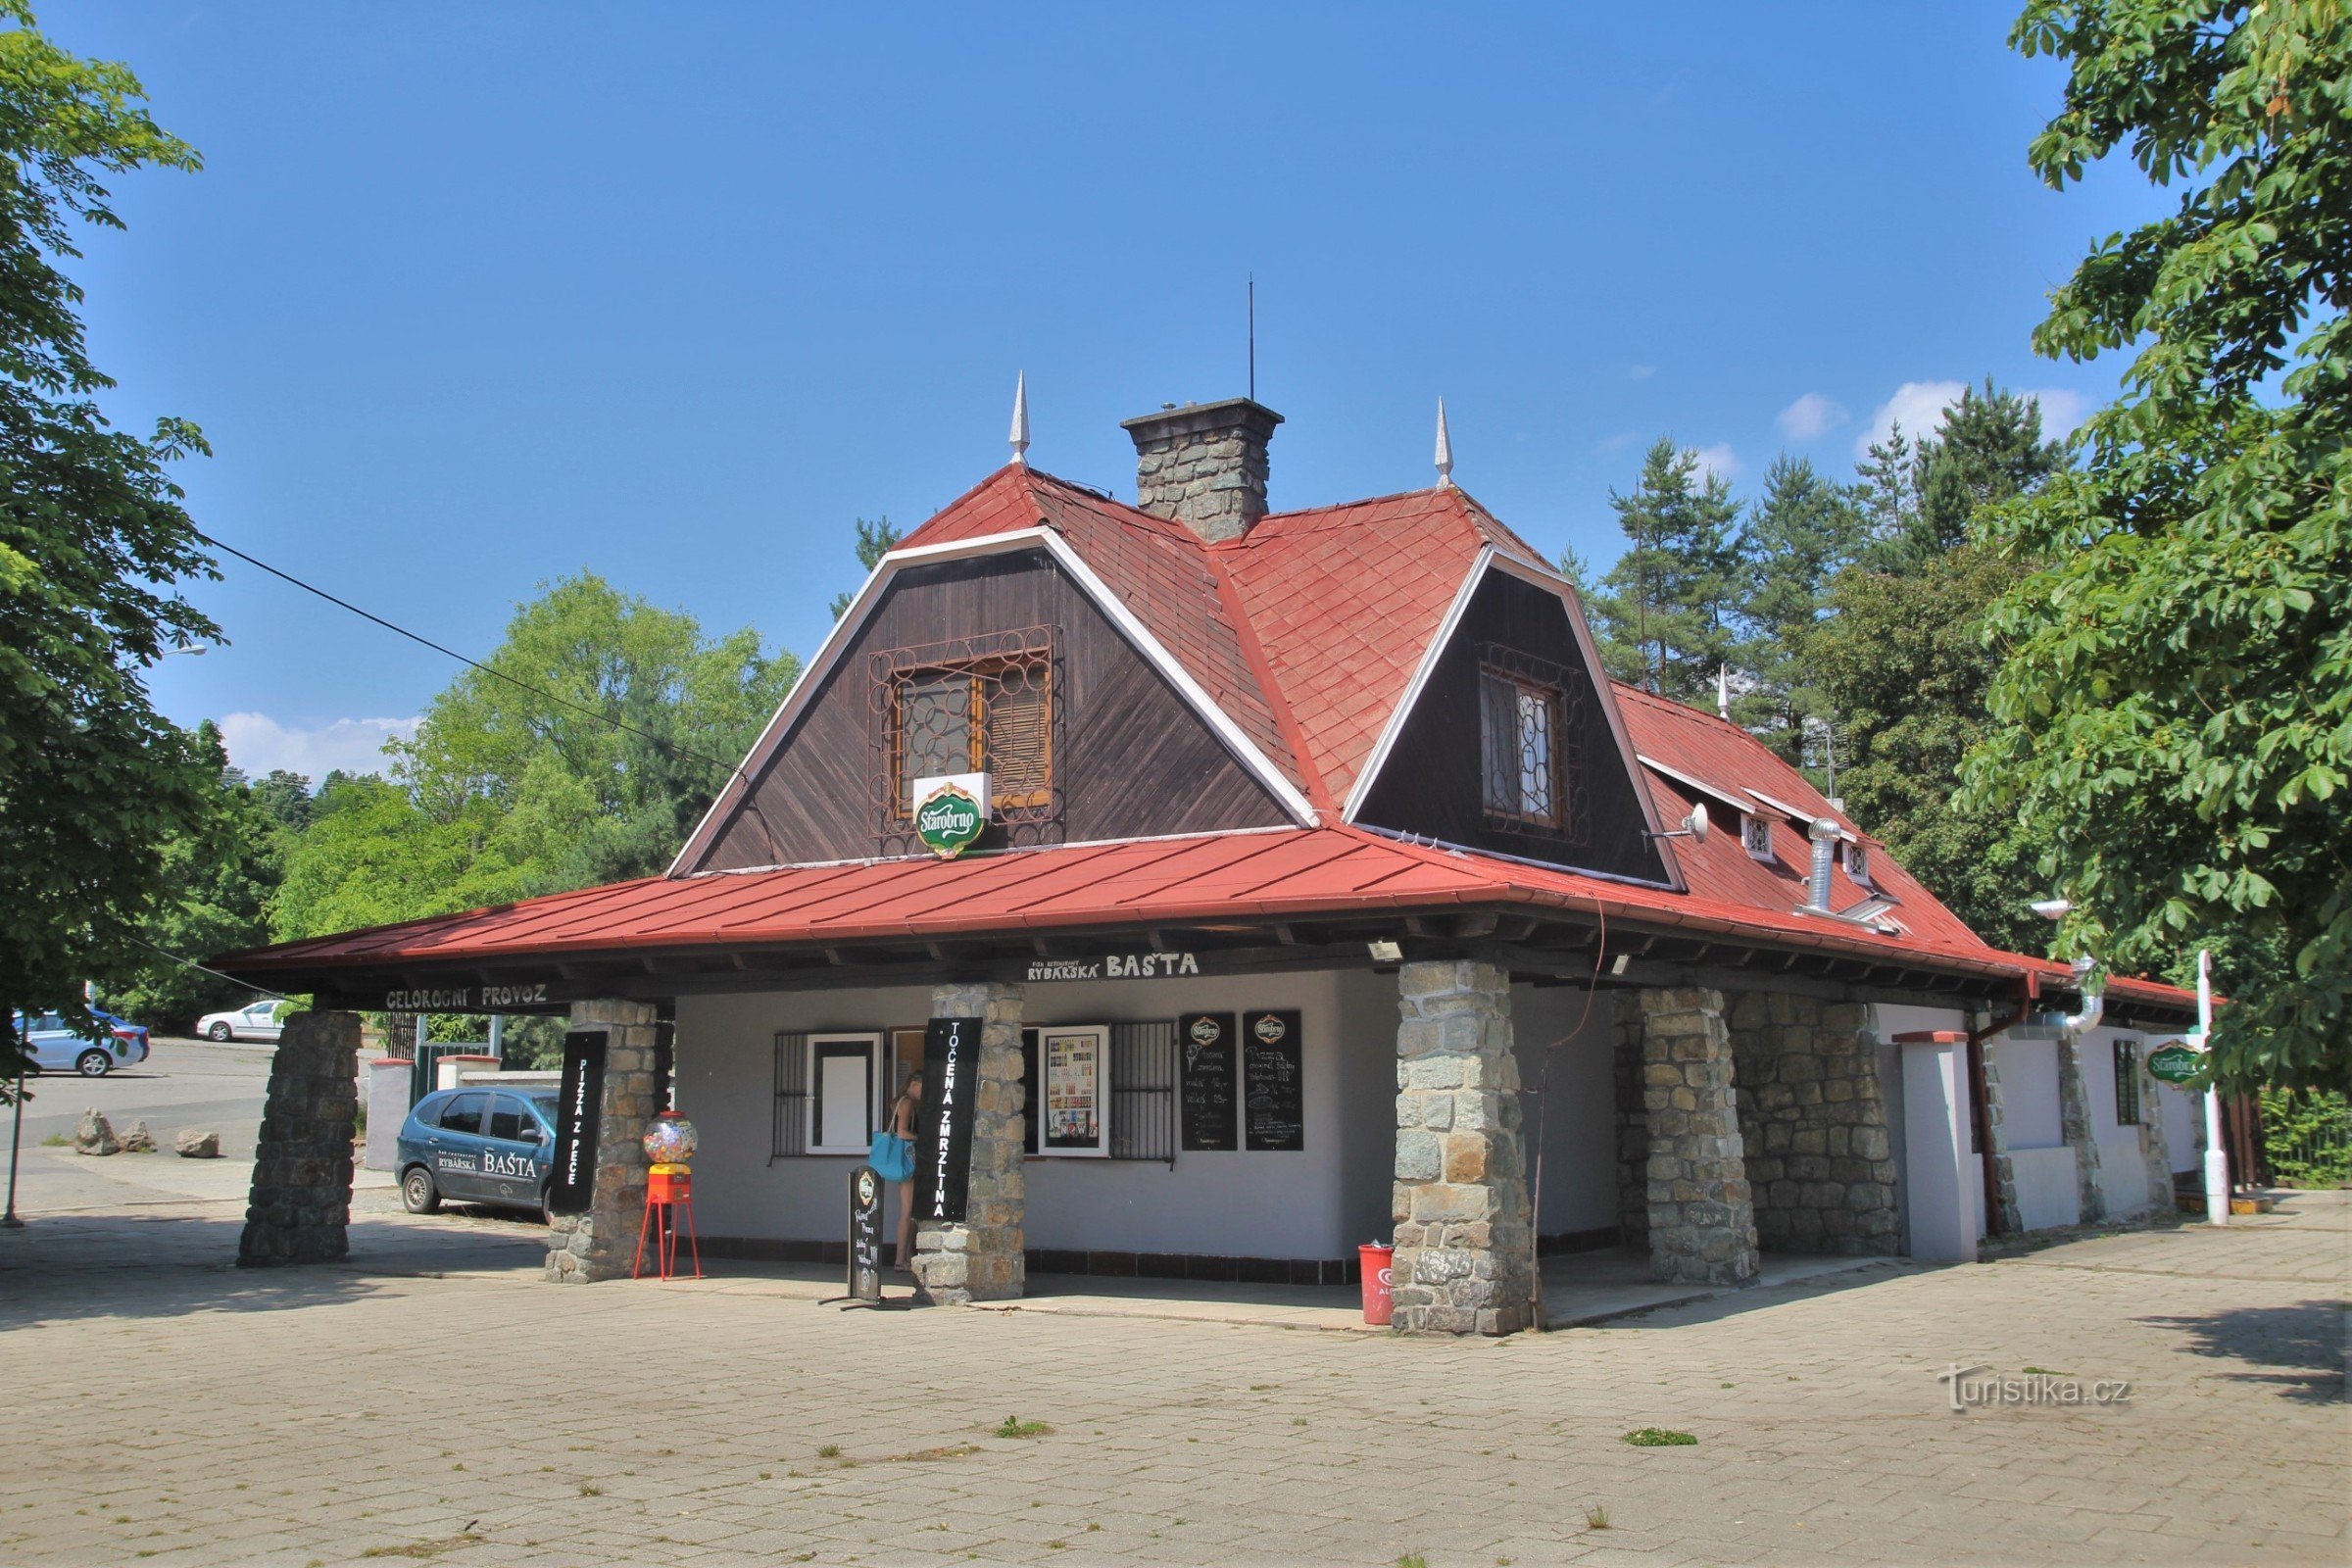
1378	1304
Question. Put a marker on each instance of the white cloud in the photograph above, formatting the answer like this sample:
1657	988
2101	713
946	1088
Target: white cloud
1811	415
258	743
1919	405
1717	462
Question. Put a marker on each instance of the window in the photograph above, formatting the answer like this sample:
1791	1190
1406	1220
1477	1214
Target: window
843	1094
1519	726
464	1114
1857	860
2127	1083
1755	835
994	717
510	1121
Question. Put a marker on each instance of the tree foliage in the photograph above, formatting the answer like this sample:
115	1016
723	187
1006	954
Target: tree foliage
875	539
1800	533
94	538
2174	715
615	724
1666	611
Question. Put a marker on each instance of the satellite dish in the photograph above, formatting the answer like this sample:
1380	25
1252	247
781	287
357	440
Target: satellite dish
1695	824
2053	908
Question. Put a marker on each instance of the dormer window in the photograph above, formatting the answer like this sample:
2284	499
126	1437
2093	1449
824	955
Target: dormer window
1755	835
1519	726
1857	860
994	717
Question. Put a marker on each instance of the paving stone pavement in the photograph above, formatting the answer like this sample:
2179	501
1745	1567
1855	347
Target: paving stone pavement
436	1401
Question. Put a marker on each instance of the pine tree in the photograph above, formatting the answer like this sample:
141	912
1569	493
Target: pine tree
1800	533
1666	611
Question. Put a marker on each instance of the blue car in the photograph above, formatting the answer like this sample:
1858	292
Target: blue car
478	1145
57	1048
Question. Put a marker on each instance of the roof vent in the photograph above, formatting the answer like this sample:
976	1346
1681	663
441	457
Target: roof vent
1204	464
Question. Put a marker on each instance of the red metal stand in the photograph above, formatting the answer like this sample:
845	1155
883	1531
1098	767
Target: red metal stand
668	1202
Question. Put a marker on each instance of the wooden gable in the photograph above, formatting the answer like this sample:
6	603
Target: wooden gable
1131	758
1433	778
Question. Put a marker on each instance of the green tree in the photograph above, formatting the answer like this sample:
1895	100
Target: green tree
1666	611
217	880
875	540
93	782
1800	533
586	758
1921	495
2175	717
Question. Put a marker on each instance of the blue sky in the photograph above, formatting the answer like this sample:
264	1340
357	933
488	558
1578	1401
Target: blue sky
471	297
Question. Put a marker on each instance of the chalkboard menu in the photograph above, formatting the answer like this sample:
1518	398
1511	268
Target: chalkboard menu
1271	1081
572	1186
1205	1046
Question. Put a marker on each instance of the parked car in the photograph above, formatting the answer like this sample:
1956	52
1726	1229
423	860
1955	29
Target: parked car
57	1046
257	1022
478	1145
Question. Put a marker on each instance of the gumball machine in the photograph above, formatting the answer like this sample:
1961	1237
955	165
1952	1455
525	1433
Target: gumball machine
669	1144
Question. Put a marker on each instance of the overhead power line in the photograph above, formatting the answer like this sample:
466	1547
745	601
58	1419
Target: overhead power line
520	685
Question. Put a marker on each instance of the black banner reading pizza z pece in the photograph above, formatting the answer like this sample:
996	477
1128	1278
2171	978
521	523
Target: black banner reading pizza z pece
572	1187
943	1159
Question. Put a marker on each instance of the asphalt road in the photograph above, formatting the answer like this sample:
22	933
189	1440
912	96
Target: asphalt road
183	1083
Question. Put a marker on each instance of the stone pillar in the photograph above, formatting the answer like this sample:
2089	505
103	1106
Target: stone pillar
2155	1146
1702	1222
2076	1125
602	1244
2004	1174
1813	1124
299	1210
1632	1129
982	1259
1464	1262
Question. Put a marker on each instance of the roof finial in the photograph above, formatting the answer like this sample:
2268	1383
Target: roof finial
1020	419
1445	450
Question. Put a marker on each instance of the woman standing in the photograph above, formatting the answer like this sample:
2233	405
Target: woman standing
904	1111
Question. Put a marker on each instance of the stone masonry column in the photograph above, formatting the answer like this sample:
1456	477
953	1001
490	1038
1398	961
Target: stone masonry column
982	1259
2155	1147
1632	1129
601	1243
299	1210
1463	1261
2078	1129
2004	1173
1702	1221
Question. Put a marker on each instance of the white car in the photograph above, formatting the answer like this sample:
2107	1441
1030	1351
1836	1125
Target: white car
257	1022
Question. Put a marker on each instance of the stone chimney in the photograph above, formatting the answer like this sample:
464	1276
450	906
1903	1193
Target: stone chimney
1204	464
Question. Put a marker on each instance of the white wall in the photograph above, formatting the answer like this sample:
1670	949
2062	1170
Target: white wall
2046	1192
1316	1204
2029	1116
1888	1021
2183	1114
1578	1108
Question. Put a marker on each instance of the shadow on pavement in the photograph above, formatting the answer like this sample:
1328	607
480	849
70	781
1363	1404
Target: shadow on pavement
2300	1349
79	1267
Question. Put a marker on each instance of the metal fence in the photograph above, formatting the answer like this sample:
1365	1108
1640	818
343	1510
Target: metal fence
2307	1137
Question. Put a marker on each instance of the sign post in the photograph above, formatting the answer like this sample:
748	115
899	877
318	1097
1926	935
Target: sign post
2216	1153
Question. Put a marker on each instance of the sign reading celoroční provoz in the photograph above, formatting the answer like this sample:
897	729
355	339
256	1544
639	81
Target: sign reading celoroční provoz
571	1186
2175	1063
943	1159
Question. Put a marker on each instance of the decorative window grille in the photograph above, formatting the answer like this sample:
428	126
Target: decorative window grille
1528	712
2127	1083
977	704
1857	861
1755	834
790	1133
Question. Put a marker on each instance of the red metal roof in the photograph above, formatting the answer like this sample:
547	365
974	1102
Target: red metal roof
1292	873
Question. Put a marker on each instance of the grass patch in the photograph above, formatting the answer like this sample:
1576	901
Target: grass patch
1014	1426
831	1450
2046	1372
57	1141
953	1450
1597	1517
1412	1559
588	1490
422	1548
1658	1438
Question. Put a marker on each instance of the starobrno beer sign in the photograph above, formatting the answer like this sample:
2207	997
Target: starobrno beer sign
2175	1063
949	820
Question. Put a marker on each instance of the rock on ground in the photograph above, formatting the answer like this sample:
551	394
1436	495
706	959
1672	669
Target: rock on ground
138	1140
197	1142
95	1135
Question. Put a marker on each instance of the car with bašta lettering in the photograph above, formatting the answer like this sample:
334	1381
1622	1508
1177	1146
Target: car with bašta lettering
477	1144
55	1044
